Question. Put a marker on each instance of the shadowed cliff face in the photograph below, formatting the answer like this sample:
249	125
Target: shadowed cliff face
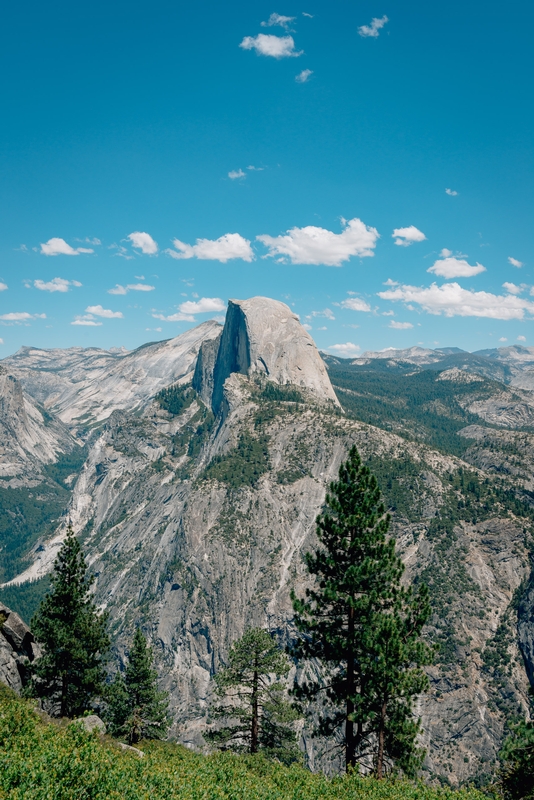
195	528
263	336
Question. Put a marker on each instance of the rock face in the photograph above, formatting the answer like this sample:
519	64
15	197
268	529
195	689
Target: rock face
263	336
16	645
83	386
29	438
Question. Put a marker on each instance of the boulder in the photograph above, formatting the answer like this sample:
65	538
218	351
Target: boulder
17	648
92	723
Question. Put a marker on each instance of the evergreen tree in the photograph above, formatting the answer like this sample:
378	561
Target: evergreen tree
517	757
73	635
254	707
137	708
364	628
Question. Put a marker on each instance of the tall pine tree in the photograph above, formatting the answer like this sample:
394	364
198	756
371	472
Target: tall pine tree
73	634
137	708
364	628
251	700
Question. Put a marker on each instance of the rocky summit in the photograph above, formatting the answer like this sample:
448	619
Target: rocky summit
195	511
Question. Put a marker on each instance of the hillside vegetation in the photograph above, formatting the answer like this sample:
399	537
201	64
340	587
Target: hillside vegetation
40	759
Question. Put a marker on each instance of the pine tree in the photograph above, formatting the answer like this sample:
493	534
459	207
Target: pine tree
517	762
254	707
363	627
73	635
137	708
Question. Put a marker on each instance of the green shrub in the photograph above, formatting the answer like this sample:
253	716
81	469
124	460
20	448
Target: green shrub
42	761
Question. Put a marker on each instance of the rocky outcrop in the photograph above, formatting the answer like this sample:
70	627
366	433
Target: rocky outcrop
203	378
263	336
29	438
17	647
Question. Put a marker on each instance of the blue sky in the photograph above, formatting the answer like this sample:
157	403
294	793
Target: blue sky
209	150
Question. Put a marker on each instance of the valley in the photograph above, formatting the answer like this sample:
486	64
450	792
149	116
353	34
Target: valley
193	470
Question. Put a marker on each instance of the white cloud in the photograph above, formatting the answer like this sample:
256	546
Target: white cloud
304	76
503	339
445	253
372	29
355	304
454	301
521	338
143	242
202	306
121	251
305	14
407	236
451	192
86	320
55	285
237	173
326	312
131	287
59	247
231	245
512	288
306	326
3	287
1	341
400	326
98	311
255	169
269	45
312	245
175	317
451	267
345	350
514	262
278	19
20	316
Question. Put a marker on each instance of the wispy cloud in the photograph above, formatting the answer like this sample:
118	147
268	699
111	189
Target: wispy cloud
451	300
278	19
121	251
313	245
255	169
3	287
512	288
373	29
514	262
187	310
98	311
270	45
304	76
400	326
347	350
20	316
55	285
521	338
86	320
59	247
451	192
305	14
326	312
237	173
143	242
225	248
131	287
455	268
202	306
407	236
355	304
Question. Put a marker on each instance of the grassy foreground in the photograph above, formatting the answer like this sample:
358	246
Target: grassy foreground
40	760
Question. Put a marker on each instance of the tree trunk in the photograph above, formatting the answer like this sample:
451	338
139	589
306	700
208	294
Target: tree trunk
381	741
255	715
350	749
64	689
